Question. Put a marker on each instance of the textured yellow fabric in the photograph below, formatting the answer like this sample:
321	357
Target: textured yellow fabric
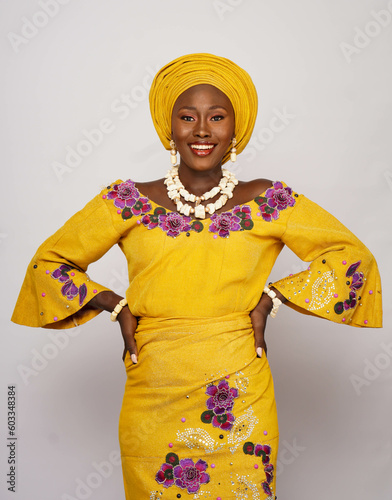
195	69
193	294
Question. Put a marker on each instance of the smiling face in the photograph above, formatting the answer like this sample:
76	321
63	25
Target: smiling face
202	127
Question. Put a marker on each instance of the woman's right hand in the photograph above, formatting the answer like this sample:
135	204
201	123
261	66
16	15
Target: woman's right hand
128	325
107	301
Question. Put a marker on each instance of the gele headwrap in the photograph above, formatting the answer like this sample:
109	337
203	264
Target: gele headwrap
195	69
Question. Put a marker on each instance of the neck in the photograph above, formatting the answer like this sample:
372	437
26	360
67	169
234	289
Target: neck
198	182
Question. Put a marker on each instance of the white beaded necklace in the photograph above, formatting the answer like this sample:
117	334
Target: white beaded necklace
175	189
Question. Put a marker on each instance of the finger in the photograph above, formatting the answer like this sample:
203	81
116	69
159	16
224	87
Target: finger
258	323
130	346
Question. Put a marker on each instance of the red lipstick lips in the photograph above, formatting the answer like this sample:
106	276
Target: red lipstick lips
202	148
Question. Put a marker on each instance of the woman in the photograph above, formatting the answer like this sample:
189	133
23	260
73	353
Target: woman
198	417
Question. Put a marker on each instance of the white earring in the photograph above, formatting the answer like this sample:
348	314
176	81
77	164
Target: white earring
233	151
173	153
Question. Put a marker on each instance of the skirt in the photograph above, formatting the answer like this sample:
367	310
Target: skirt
198	418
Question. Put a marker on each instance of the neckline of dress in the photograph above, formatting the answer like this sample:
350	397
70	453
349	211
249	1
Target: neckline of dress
152	202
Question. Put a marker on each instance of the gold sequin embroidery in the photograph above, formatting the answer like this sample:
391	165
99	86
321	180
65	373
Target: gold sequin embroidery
322	290
242	382
242	429
244	488
198	438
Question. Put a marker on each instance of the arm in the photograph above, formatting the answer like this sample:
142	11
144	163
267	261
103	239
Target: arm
259	317
341	284
107	301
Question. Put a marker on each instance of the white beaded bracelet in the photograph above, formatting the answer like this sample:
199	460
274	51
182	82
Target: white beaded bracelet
275	301
118	309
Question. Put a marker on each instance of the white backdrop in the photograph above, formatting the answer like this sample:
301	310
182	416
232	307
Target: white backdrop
323	68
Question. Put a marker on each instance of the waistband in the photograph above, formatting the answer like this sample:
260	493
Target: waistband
194	324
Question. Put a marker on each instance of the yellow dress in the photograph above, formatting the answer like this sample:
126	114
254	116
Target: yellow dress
199	418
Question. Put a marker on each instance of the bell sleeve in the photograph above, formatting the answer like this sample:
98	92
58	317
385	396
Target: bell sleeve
342	283
56	290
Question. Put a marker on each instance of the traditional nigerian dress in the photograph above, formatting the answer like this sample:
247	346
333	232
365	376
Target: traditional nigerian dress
199	418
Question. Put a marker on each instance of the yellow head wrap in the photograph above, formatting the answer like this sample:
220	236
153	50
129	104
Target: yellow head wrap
195	69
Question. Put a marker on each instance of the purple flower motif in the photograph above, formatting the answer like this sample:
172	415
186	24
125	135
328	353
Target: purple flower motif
351	302
165	475
174	224
357	281
224	223
82	293
264	451
275	199
244	213
61	273
70	290
224	421
269	473
266	488
124	194
279	197
351	270
222	397
141	206
150	221
190	476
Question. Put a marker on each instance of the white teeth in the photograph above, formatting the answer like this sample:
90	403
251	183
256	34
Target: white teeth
202	146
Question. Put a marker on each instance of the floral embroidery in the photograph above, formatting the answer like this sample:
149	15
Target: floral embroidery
219	404
238	219
275	199
184	473
69	289
264	451
172	223
355	285
127	198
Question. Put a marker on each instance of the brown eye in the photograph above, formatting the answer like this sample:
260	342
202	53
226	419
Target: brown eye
187	118
217	118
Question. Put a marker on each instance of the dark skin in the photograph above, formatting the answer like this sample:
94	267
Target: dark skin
202	115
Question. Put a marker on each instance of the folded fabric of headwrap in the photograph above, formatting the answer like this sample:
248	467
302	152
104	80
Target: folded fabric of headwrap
196	69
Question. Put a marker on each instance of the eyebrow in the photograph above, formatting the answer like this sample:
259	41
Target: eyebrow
193	108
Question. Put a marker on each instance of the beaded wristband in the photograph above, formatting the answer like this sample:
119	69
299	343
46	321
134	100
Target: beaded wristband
118	309
275	301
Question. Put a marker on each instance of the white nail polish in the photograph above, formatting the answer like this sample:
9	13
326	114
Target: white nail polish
134	358
259	351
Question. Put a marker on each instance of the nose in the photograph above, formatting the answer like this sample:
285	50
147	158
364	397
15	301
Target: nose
202	128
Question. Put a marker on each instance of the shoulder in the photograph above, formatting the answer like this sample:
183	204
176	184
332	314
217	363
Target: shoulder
251	189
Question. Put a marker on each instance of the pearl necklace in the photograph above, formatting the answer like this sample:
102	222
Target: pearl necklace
175	189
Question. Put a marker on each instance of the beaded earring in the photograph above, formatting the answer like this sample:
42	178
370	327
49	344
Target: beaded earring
173	153
233	151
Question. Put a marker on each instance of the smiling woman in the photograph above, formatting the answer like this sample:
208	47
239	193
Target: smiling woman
199	418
